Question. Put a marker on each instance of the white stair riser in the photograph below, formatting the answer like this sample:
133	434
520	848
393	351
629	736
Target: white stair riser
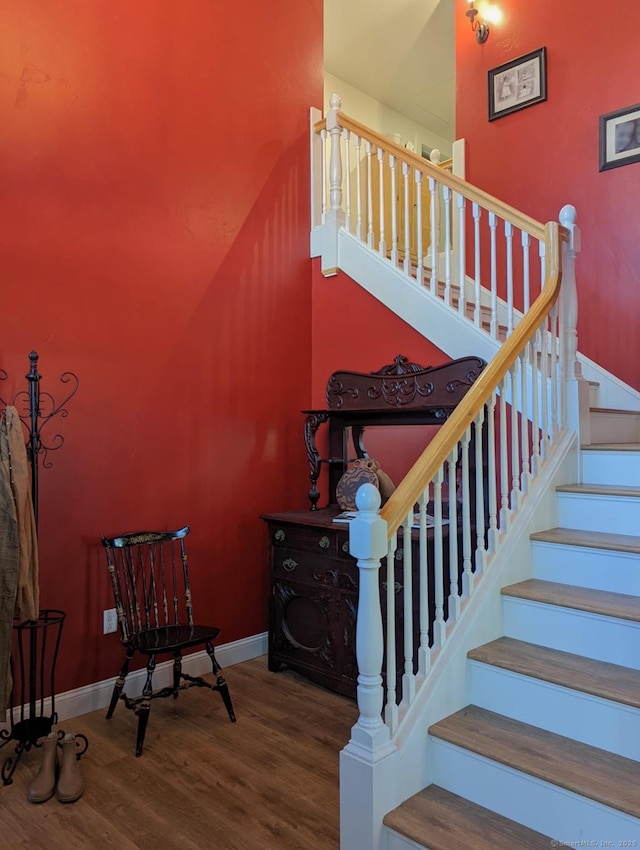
591	512
592	720
610	427
580	632
609	467
525	799
600	569
395	841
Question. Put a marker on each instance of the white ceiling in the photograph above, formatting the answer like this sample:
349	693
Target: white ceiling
400	52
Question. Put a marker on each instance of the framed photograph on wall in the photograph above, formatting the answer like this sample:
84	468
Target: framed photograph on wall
518	84
620	137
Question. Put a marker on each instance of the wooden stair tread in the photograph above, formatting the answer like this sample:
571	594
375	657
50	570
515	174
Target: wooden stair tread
611	447
598	678
614	410
599	490
597	774
589	539
441	821
620	605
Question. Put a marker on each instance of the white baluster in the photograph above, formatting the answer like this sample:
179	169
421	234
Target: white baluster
508	232
477	313
408	678
439	630
535	403
492	537
504	462
462	255
515	440
381	243
391	705
467	574
454	593
544	372
358	145
420	246
370	234
543	263
446	194
407	220
553	345
525	477
394	211
435	234
494	279
480	517
424	654
347	182
525	272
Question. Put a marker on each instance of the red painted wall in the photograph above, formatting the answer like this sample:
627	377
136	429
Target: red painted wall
154	240
546	156
351	330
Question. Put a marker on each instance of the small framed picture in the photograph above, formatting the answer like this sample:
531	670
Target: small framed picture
620	137
518	84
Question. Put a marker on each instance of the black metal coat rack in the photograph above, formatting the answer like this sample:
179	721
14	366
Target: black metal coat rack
35	646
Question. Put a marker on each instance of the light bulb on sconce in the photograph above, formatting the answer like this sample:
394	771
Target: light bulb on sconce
480	28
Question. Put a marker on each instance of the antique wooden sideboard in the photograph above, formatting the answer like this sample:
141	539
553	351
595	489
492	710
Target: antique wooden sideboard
313	578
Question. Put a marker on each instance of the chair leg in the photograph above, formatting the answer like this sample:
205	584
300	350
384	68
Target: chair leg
220	685
177	672
119	684
145	706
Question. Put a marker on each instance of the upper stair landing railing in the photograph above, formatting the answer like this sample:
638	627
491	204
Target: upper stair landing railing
482	257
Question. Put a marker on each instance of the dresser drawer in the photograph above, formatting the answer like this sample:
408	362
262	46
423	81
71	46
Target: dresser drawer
300	566
318	540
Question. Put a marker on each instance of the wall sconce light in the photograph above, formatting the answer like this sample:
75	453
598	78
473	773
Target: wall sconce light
478	27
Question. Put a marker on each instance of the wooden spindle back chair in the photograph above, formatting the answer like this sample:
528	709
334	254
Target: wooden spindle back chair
152	595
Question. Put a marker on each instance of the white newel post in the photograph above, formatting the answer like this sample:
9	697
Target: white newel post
334	218
366	763
576	389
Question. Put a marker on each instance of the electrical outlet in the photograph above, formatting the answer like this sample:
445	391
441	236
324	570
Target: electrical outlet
109	621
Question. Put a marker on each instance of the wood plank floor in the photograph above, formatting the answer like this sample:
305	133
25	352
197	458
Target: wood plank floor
269	781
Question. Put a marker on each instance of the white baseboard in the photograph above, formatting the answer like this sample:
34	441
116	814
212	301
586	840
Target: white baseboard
92	697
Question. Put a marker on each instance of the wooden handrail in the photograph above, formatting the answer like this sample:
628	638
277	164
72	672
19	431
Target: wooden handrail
401	502
472	193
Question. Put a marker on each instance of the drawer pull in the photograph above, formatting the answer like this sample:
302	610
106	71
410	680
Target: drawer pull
345	546
324	542
289	565
279	535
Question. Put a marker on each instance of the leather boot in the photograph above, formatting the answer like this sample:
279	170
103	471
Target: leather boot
70	782
44	783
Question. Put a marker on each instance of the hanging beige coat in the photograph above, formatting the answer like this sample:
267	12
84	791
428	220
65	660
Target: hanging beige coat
19	597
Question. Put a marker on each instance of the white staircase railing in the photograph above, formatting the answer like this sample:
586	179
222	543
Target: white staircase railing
478	255
447	520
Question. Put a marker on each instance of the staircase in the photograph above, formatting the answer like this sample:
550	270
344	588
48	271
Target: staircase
519	725
548	747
